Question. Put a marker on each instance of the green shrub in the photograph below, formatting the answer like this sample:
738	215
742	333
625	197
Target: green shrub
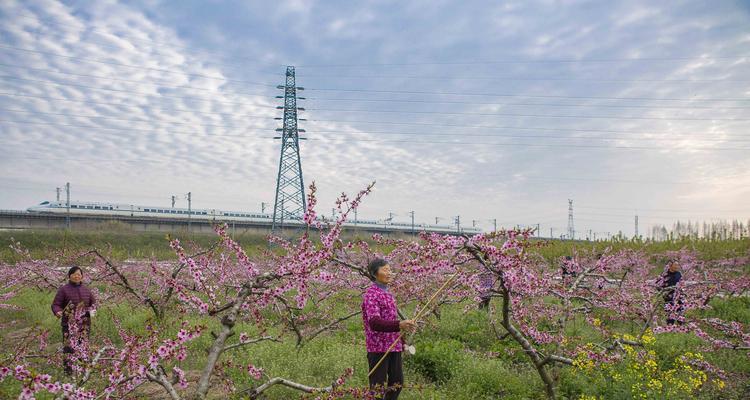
437	360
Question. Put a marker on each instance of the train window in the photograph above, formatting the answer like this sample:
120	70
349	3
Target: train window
74	206
44	203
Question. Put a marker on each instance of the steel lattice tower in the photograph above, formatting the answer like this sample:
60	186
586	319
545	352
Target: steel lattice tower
571	229
290	201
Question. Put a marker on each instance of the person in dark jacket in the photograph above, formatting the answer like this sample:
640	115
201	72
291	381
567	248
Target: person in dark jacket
669	285
71	298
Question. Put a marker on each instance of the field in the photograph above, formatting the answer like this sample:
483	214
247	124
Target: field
459	355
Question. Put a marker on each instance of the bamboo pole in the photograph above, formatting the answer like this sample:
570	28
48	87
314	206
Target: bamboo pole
416	318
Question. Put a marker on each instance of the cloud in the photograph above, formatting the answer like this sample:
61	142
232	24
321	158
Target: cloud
136	102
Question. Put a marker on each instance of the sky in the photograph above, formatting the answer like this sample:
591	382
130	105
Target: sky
497	112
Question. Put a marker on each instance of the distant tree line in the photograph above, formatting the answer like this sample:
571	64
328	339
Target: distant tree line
718	230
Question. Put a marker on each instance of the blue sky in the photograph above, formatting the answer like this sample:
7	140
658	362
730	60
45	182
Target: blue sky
487	110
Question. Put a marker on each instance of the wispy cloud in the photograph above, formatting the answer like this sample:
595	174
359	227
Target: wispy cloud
135	102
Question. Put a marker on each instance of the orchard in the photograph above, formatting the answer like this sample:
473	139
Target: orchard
499	318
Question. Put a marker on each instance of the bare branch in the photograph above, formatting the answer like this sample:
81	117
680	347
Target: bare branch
257	340
254	393
161	378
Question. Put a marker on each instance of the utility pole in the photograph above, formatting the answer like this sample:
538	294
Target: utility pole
571	229
67	204
458	224
262	207
290	187
436	220
550	232
387	220
174	198
412	221
190	203
333	213
636	227
58	194
494	222
538	231
355	217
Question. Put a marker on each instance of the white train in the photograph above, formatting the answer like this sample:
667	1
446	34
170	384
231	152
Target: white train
213	215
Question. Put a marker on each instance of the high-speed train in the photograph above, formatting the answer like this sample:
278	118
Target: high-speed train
214	215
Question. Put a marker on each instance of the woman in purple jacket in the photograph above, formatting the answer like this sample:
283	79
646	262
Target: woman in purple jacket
72	297
382	327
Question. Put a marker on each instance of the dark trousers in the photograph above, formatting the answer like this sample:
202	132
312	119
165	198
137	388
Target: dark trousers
389	376
670	303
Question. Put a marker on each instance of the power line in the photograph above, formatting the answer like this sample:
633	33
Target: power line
519	95
404	141
162	85
537	145
661	209
486	126
339	131
513	79
692	135
550	60
110	191
393	111
362	90
170	158
650	107
628	216
529	115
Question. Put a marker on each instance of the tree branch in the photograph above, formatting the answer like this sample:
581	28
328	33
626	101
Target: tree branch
257	340
254	393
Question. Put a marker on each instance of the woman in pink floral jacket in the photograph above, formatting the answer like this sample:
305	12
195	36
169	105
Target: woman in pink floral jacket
382	328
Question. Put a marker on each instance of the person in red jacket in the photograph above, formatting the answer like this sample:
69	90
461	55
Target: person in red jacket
382	327
73	298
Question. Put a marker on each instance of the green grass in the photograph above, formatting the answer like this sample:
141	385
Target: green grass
124	245
457	357
131	245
